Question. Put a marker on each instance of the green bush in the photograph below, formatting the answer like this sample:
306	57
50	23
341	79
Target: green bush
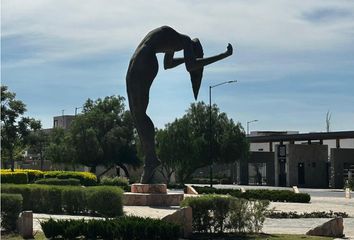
116	181
86	178
14	177
259	194
57	181
124	228
52	228
102	201
105	200
11	206
38	198
215	213
203	181
31	174
74	200
318	214
349	184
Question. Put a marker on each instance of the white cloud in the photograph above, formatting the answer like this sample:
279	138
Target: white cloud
66	29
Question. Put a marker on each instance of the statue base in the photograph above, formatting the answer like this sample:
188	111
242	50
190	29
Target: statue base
151	195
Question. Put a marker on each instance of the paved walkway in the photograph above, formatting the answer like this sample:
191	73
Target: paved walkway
318	204
272	226
302	225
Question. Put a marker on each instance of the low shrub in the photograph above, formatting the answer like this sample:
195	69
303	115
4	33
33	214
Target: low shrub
38	198
102	201
11	206
259	194
203	181
318	214
176	186
105	200
124	228
86	178
14	177
32	174
57	181
349	184
116	181
74	200
217	214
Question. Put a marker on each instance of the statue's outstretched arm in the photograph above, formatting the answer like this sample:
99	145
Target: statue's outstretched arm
193	64
170	62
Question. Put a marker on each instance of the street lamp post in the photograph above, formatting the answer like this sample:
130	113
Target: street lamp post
210	130
248	126
76	110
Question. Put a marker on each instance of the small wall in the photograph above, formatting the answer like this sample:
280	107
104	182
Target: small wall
339	156
258	157
315	159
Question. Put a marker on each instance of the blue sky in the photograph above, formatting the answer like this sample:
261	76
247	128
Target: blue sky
294	60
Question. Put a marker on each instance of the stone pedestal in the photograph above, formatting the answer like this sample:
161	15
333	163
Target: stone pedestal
151	195
183	217
25	224
148	188
332	228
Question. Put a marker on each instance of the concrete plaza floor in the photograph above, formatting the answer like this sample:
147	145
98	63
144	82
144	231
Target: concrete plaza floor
292	226
271	226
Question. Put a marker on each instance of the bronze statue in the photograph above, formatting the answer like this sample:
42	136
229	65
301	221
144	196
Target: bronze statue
142	71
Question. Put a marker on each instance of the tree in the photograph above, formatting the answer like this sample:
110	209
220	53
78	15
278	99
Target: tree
104	134
59	148
15	128
183	146
37	143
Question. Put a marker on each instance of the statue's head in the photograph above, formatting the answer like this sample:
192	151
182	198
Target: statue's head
197	75
197	48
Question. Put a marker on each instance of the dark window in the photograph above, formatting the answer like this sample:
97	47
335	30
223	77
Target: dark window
313	164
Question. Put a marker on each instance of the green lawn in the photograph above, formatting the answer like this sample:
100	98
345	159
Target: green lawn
261	237
40	236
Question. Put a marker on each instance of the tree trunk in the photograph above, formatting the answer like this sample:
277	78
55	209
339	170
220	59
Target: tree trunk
93	169
42	160
104	172
12	160
124	169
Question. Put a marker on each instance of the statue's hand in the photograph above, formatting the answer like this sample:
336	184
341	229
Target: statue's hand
229	50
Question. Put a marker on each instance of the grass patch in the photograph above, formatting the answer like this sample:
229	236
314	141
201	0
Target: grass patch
14	236
257	237
40	236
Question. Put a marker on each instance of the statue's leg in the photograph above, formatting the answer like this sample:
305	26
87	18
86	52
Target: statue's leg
139	82
146	132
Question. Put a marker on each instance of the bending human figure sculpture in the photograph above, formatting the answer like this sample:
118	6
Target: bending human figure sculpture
142	70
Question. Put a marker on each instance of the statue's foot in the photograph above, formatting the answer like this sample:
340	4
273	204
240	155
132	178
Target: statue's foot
149	173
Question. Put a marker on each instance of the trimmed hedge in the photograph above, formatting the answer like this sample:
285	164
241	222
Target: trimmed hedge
124	228
260	194
11	206
103	201
203	181
57	181
14	177
116	181
330	214
86	178
218	214
32	174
